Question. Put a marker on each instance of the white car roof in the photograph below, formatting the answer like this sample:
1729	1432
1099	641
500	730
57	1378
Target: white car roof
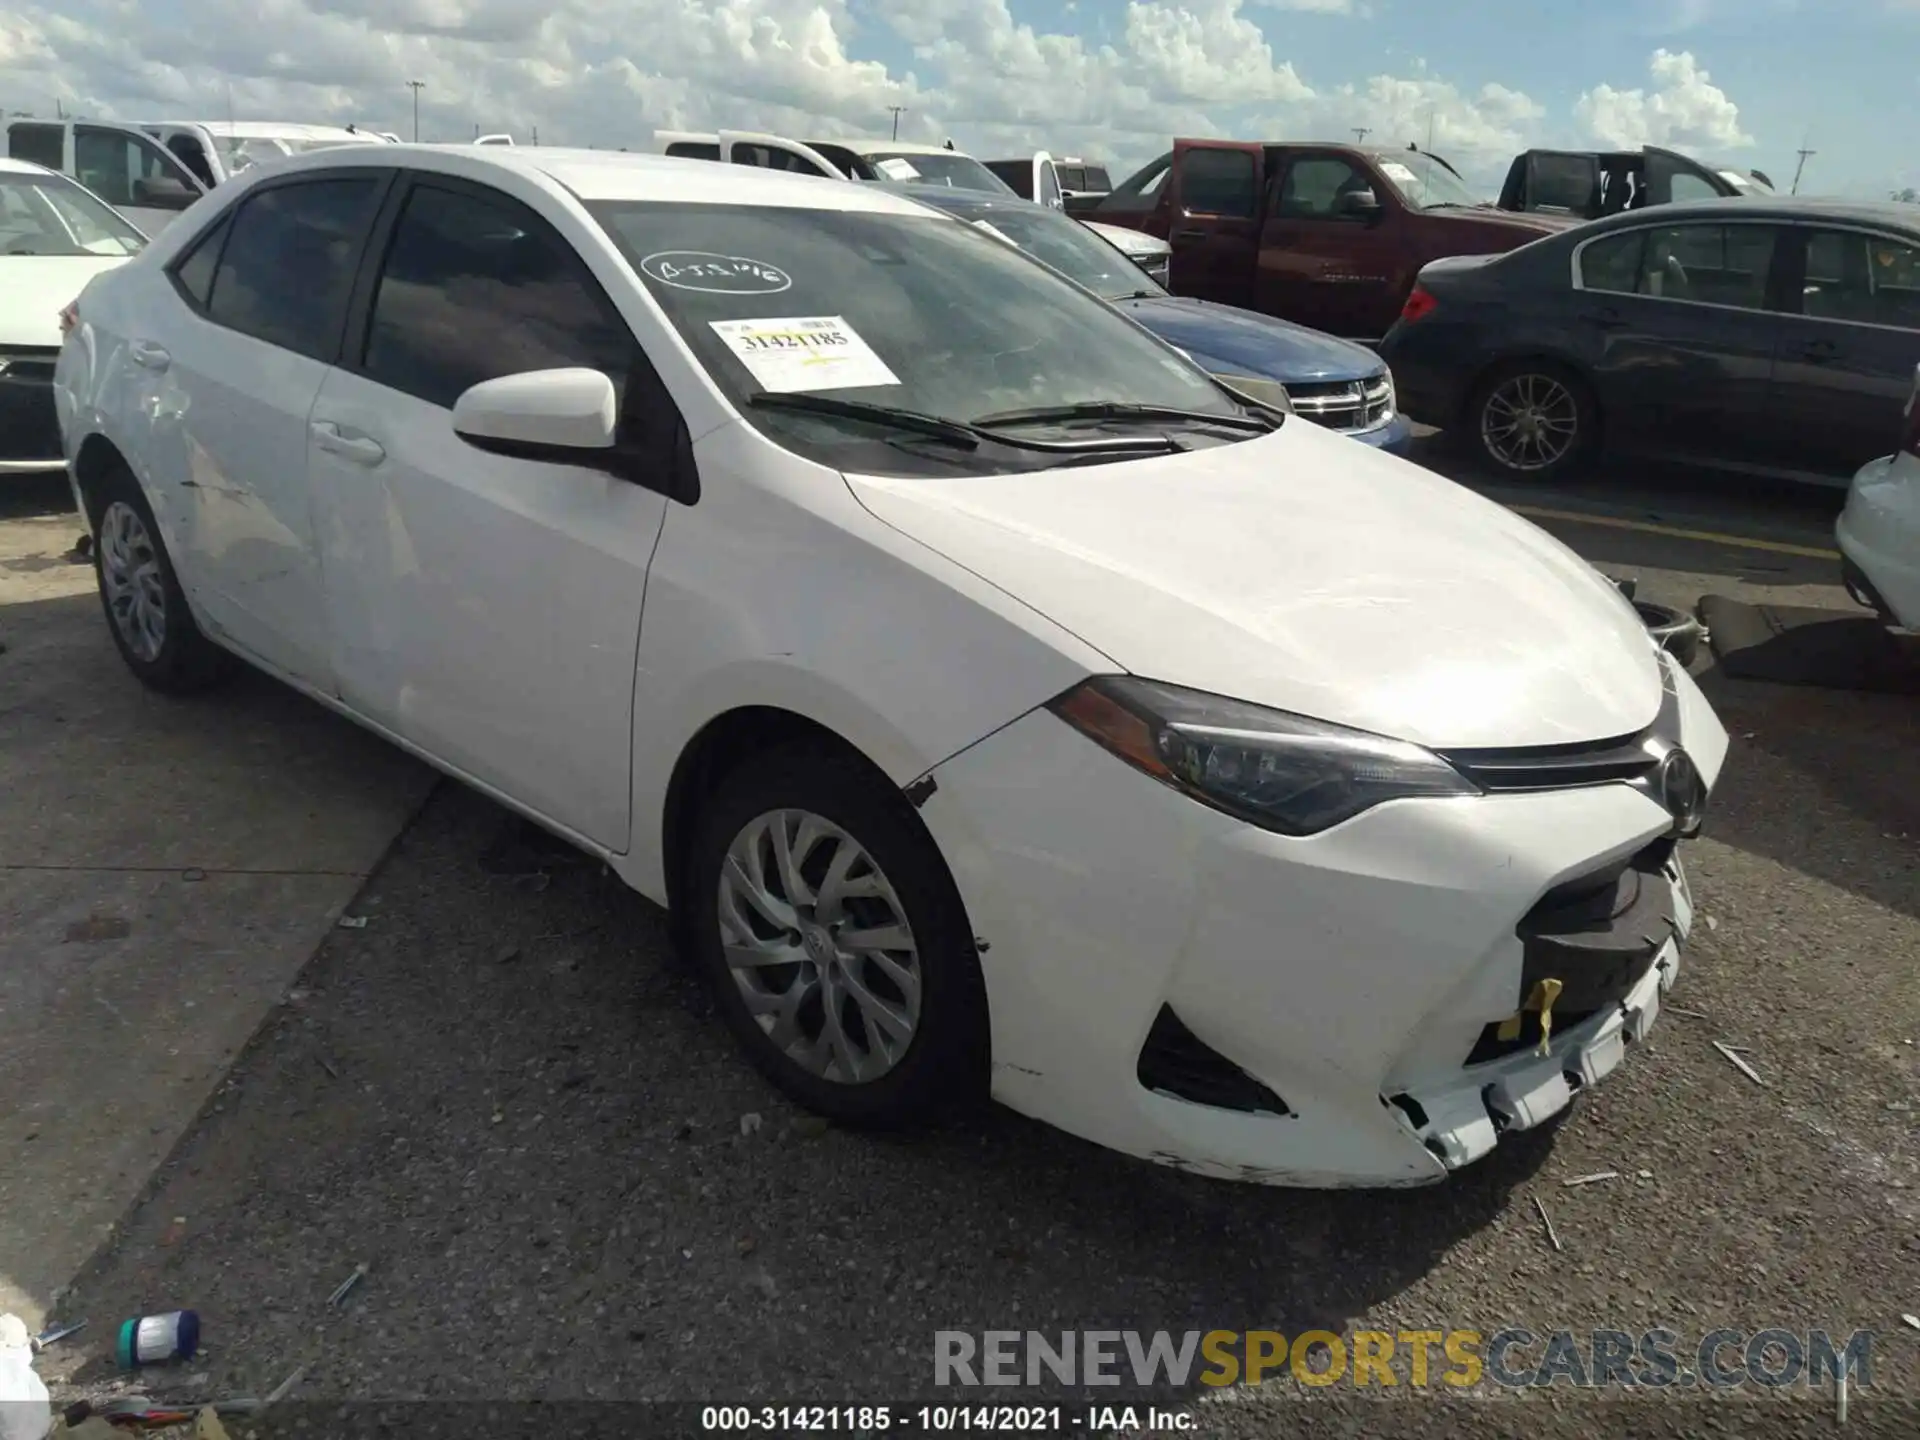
624	175
9	166
894	147
271	130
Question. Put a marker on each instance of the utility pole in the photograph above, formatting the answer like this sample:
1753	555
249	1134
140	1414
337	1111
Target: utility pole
1803	153
1360	133
416	86
897	110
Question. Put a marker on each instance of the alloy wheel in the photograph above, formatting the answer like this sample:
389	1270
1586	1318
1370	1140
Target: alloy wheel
1530	422
131	578
819	946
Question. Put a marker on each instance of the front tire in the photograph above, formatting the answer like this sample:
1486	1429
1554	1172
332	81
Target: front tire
836	944
1533	420
145	607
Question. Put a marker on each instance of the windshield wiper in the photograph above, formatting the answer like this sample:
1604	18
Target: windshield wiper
1120	410
951	431
965	434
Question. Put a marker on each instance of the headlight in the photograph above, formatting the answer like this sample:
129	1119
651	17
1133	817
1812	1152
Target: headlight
1270	393
1160	270
1279	771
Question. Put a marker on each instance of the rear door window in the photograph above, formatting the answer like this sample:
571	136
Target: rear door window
476	288
1218	182
313	230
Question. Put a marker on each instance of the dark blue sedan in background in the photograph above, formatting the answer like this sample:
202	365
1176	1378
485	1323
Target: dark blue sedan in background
1333	382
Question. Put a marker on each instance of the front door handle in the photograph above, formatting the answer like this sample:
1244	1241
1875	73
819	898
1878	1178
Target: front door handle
150	355
1608	319
360	449
1819	352
1191	234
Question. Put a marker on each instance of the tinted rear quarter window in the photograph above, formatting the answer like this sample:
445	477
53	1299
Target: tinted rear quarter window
41	144
473	289
288	264
1612	263
193	273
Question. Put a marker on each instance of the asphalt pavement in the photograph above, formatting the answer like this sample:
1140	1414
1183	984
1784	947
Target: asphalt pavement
505	1097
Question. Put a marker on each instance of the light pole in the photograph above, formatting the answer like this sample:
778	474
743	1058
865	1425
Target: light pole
416	86
897	110
1360	133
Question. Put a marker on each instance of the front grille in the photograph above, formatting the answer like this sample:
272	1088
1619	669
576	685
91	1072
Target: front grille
1344	404
1177	1062
1633	758
29	426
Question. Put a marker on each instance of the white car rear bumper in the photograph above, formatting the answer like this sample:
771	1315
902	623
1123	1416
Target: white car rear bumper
1351	973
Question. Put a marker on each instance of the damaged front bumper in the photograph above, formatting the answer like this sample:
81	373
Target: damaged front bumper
1345	1009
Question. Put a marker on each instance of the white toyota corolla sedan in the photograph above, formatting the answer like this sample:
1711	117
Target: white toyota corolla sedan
999	703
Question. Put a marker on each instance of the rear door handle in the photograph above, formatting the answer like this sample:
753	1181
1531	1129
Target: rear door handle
1608	319
1820	351
150	355
360	449
1191	234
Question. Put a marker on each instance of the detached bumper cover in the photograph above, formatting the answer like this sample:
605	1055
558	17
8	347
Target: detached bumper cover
1333	995
1879	534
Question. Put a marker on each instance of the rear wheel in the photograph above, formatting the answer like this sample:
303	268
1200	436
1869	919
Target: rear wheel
836	944
1534	420
146	609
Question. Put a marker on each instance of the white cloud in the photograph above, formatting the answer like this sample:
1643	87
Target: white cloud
1683	108
610	72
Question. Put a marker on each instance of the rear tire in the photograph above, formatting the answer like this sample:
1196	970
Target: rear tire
825	919
1533	420
146	609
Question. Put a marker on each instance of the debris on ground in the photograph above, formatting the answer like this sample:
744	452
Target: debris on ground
1682	1010
746	1245
327	1065
353	922
1646	1174
749	1122
810	1127
54	1334
207	1426
1547	1220
1712	924
1913	1321
1733	1054
1593	1179
96	928
506	955
193	874
345	1287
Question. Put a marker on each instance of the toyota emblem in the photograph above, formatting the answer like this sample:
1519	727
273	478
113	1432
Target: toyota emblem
1683	792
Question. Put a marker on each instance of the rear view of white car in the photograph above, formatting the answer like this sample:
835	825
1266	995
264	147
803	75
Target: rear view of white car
999	703
54	238
1879	530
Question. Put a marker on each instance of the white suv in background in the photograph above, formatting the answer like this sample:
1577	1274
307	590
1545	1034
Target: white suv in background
1879	530
999	702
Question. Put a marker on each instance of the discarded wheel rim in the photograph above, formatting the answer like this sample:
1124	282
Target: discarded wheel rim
1675	631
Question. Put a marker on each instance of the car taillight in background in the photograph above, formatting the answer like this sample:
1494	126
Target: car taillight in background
69	317
1910	437
1420	303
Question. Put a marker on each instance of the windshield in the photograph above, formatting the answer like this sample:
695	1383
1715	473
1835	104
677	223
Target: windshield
50	215
1424	183
1069	247
943	167
913	312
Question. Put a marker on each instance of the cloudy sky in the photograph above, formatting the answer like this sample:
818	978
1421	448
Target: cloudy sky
1743	81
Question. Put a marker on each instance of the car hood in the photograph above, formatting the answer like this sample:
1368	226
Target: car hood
34	287
1252	344
1305	572
1133	242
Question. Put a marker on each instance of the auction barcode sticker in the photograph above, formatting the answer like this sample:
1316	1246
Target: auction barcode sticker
815	352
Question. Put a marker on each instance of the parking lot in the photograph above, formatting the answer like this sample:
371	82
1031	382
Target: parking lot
504	1096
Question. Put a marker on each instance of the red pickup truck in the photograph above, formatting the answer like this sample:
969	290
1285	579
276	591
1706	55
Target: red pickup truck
1329	236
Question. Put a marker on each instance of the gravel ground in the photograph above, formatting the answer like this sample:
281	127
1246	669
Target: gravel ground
514	1106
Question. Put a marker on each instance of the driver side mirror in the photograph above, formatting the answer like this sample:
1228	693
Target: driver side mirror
564	417
1357	205
163	192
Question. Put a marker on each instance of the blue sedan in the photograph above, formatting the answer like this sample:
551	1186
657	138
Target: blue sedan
1333	382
